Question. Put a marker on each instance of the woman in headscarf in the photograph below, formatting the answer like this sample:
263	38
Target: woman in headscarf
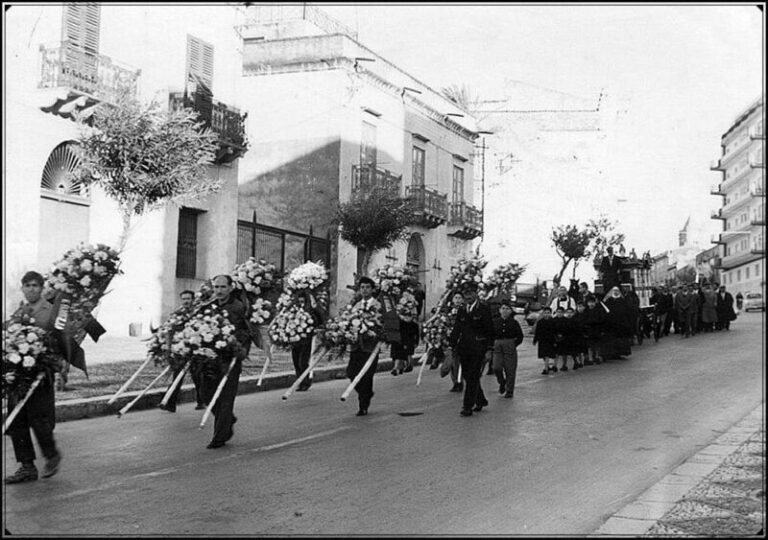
618	326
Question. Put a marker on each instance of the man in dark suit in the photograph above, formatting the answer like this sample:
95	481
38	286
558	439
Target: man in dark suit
472	339
724	308
362	350
610	268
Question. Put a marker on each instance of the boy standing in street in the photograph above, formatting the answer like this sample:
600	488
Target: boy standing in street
507	337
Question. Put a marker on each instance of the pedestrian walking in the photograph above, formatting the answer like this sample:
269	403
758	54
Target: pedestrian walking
507	336
38	415
545	336
579	336
235	311
708	309
687	310
402	351
301	351
662	304
724	308
618	327
362	349
739	300
594	321
182	315
471	339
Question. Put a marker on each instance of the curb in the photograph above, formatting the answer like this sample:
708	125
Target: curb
638	517
78	409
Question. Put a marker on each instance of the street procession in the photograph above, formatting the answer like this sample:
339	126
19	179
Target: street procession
306	293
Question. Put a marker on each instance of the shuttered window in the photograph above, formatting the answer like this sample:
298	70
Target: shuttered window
80	26
199	62
186	247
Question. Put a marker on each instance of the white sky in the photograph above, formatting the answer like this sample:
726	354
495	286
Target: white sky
675	78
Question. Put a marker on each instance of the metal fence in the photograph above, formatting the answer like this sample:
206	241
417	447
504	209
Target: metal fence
285	249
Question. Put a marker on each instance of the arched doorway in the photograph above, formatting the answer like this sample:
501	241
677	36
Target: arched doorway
414	257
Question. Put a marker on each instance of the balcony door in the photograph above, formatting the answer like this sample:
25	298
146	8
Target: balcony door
458	185
80	29
419	161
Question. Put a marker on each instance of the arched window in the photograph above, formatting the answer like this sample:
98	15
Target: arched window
414	258
58	181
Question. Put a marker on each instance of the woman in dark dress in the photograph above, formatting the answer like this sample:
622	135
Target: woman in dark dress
618	327
544	333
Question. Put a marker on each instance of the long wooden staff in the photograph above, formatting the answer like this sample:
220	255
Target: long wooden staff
216	395
360	375
423	361
314	360
268	350
132	403
176	382
17	408
128	382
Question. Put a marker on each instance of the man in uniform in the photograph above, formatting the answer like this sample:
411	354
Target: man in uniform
39	413
223	408
361	350
472	339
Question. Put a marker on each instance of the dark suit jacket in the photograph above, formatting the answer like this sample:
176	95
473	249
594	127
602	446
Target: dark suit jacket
473	331
724	307
610	272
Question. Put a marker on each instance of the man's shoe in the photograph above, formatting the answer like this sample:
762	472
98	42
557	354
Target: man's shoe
465	412
502	386
456	388
477	408
393	372
362	412
433	366
564	368
215	444
409	369
167	407
553	370
509	395
199	407
52	466
25	473
545	371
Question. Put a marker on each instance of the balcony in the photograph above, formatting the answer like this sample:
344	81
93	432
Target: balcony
756	162
89	78
717	214
757	191
738	259
717	239
465	221
734	204
716	190
758	249
716	166
367	178
757	221
224	120
756	132
431	206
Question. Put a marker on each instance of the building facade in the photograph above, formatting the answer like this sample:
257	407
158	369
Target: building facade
328	117
742	190
69	58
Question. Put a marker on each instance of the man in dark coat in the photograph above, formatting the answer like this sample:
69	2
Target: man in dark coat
224	300
471	339
361	351
507	337
724	307
610	268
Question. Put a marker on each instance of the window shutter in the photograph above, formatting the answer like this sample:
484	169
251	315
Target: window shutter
81	26
199	62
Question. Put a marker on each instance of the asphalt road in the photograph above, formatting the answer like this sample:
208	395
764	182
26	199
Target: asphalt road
568	451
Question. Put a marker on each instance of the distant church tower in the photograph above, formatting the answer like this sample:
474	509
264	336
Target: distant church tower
683	234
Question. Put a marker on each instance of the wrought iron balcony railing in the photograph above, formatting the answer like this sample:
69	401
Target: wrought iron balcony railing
366	178
67	66
430	204
223	119
467	218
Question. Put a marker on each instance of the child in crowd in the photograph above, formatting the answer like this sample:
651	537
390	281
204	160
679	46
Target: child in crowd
579	336
562	327
594	317
544	335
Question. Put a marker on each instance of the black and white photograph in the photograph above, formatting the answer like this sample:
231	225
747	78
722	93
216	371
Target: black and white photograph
388	269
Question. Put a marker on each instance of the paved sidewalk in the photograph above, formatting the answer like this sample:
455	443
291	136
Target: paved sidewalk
720	491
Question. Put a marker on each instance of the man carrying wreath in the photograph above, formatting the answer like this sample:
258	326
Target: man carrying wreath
224	301
472	339
39	413
361	350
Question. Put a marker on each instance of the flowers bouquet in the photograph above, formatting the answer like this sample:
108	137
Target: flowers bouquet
256	277
406	306
394	280
206	336
466	271
262	311
504	277
25	354
83	273
308	276
353	323
291	326
437	329
160	342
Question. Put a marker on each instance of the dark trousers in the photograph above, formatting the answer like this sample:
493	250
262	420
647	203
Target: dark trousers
38	415
472	371
301	352
364	388
195	379
223	409
505	363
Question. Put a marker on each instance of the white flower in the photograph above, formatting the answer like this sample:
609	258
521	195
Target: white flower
28	362
86	281
86	265
14	358
31	337
23	348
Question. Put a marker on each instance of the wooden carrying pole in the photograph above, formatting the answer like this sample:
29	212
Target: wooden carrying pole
360	375
313	361
216	395
176	382
132	403
128	382
423	361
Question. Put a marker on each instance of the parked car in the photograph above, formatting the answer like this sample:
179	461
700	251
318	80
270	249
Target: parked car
754	301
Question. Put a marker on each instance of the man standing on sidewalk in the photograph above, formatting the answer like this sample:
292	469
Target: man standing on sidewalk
183	314
39	413
471	339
